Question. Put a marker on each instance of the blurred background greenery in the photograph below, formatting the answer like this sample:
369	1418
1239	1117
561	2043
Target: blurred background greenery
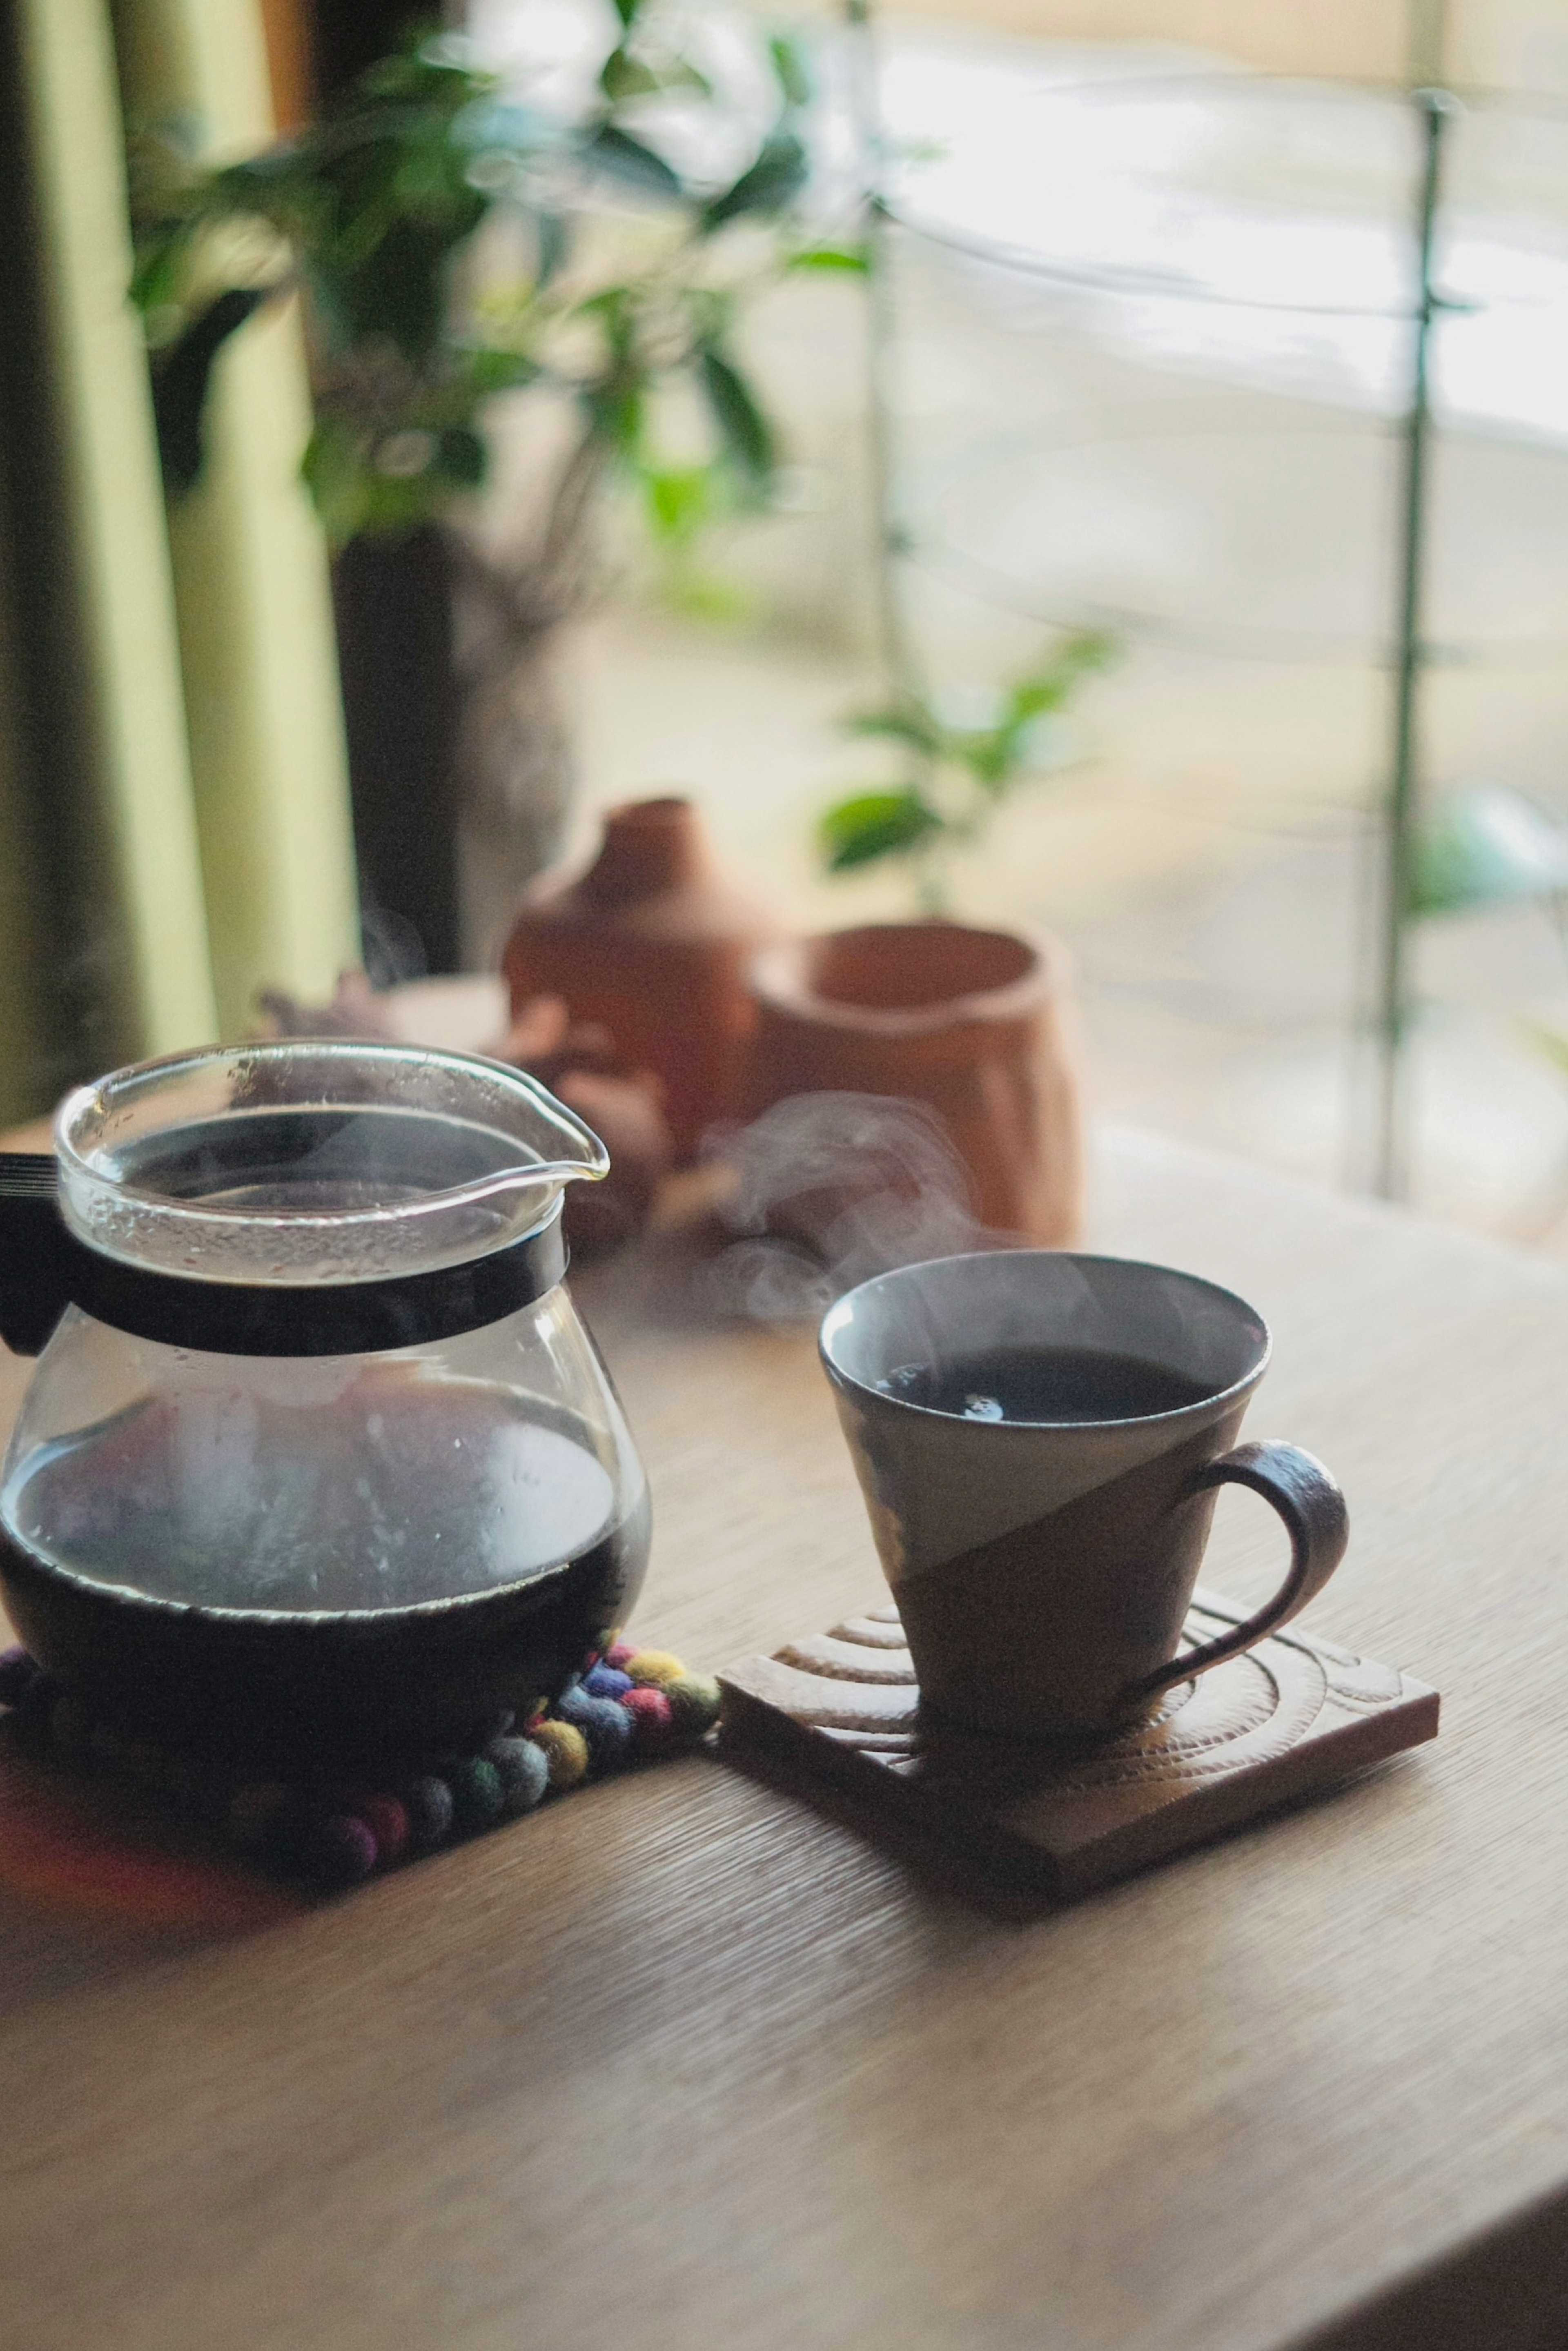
601	454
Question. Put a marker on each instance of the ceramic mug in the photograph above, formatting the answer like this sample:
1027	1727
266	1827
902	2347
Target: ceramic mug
1044	1566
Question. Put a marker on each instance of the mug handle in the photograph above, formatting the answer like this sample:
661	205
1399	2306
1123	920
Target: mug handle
1309	1502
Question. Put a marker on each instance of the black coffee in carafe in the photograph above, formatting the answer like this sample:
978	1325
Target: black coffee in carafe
399	1491
318	1462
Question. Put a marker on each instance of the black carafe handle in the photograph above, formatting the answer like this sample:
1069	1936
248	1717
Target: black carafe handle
34	1248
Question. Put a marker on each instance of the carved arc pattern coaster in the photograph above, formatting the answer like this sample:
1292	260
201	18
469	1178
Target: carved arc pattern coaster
838	1716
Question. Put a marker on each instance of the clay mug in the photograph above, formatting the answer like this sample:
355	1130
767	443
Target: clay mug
1039	1437
975	1027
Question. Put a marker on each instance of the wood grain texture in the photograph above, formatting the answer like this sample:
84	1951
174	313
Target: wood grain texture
677	2060
1025	1828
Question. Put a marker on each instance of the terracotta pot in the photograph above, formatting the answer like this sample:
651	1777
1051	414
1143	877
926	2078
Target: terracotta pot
652	944
970	1023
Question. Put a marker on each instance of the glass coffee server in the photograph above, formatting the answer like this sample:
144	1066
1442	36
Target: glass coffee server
317	1459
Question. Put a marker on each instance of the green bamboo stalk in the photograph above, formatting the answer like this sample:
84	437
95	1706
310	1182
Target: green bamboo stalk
262	698
128	917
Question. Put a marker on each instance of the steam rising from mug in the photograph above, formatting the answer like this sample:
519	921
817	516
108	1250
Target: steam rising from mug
831	1188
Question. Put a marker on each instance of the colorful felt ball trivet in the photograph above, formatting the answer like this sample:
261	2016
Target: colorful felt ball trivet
630	1707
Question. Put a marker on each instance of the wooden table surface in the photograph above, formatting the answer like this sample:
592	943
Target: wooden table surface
678	2063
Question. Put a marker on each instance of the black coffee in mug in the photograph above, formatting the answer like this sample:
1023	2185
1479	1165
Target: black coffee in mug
1057	1385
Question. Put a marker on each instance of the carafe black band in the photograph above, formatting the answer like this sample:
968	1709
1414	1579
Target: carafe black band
44	1267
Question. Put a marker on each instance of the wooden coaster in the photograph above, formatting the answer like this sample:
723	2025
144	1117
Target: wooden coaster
837	1718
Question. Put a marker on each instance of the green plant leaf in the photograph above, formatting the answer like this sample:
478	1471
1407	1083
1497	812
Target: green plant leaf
614	408
623	78
681	74
850	258
997	754
620	157
678	500
335	473
874	825
627	12
1052	685
611	306
160	258
774	180
789	70
1487	847
1032	698
273	184
462	457
482	371
911	723
745	432
992	758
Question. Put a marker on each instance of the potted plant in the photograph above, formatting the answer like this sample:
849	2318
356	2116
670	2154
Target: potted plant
971	1022
458	238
